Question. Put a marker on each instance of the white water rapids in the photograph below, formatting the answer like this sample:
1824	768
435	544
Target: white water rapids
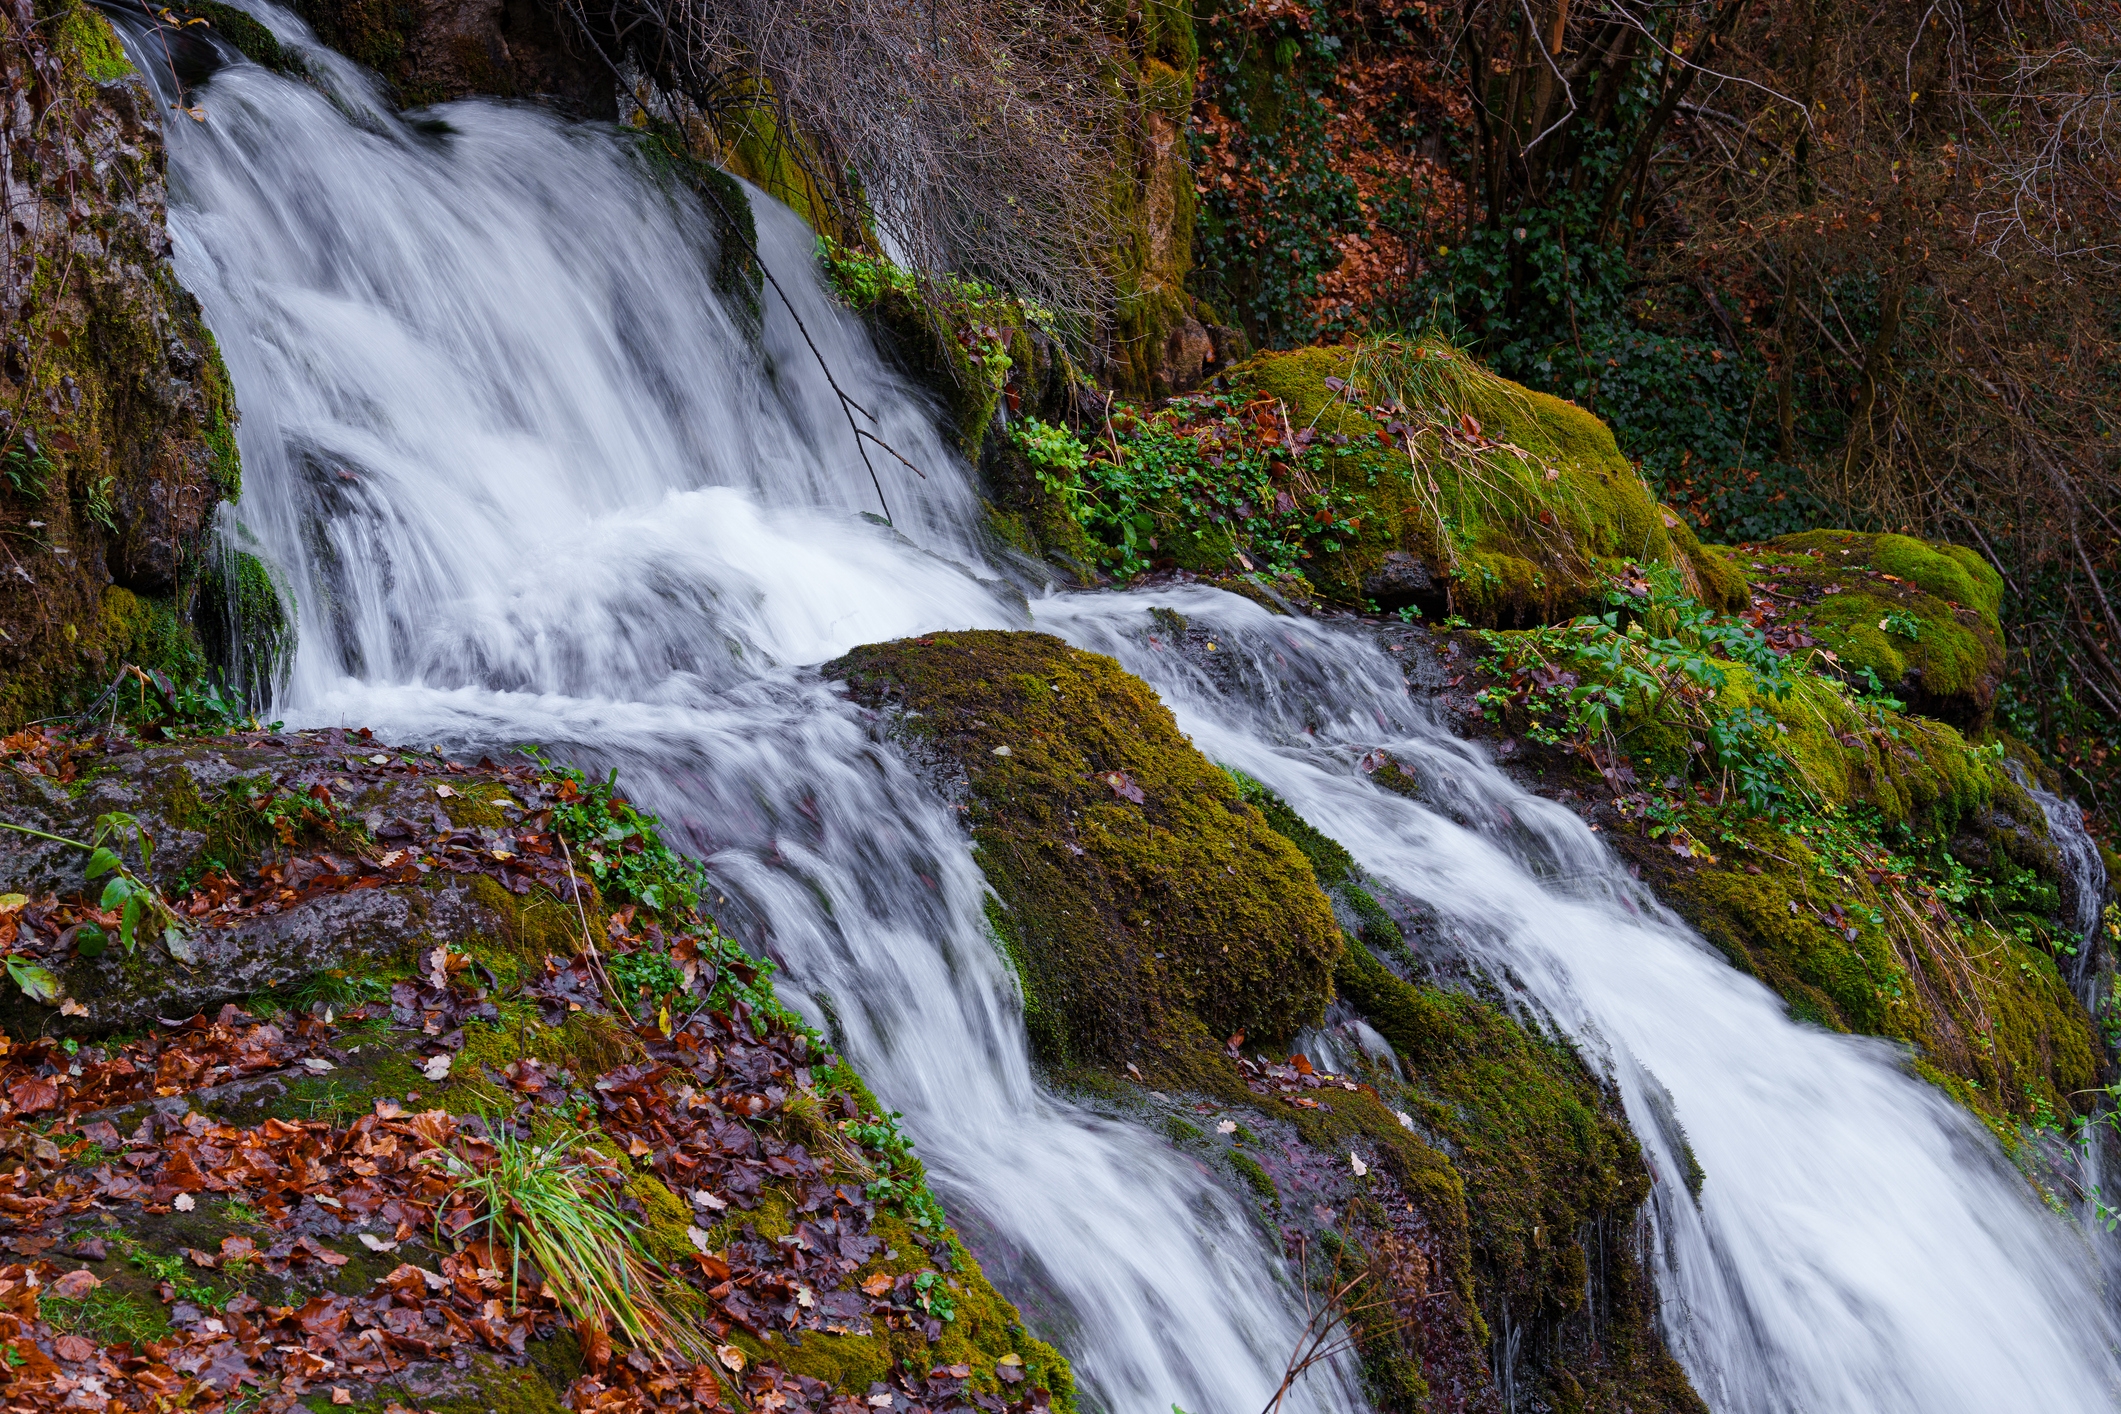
530	482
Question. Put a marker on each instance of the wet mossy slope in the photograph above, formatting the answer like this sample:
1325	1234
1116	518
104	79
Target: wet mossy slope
1179	940
1148	909
390	931
1883	871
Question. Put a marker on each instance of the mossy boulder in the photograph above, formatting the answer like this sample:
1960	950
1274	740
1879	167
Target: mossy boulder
1917	617
1540	1151
1545	1154
1513	506
1148	909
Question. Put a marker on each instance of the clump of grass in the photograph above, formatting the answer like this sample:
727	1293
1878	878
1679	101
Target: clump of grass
548	1206
106	1316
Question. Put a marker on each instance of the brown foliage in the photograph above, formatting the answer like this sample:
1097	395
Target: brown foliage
969	136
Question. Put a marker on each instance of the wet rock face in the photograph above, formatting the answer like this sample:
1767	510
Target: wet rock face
1401	578
284	857
118	439
438	51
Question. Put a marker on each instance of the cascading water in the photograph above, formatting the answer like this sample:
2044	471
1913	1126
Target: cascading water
1859	1244
2084	871
531	480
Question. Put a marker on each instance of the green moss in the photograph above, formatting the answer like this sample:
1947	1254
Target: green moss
503	1389
1255	1177
1542	1149
90	40
1329	862
1983	1003
666	1222
80	658
241	614
1376	928
533	926
477	805
1921	617
1516	516
1140	929
985	1327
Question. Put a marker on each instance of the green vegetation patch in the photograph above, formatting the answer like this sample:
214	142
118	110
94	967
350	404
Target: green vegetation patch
1148	909
1883	874
1390	474
1899	615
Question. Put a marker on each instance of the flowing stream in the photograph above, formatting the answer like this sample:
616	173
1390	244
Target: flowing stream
531	479
1859	1244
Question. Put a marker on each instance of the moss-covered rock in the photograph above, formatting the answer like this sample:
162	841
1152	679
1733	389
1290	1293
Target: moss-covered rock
1545	1155
1879	871
472	991
243	614
1147	908
1513	506
252	40
1146	930
1917	618
118	440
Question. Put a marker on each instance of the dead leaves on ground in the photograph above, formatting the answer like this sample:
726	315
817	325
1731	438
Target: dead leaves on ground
707	1109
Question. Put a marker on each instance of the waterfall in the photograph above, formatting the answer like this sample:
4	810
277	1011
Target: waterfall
531	479
2084	880
1859	1245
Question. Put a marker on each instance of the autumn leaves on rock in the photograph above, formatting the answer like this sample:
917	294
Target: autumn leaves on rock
275	1202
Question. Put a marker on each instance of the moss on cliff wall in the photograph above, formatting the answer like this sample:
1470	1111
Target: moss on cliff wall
117	442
